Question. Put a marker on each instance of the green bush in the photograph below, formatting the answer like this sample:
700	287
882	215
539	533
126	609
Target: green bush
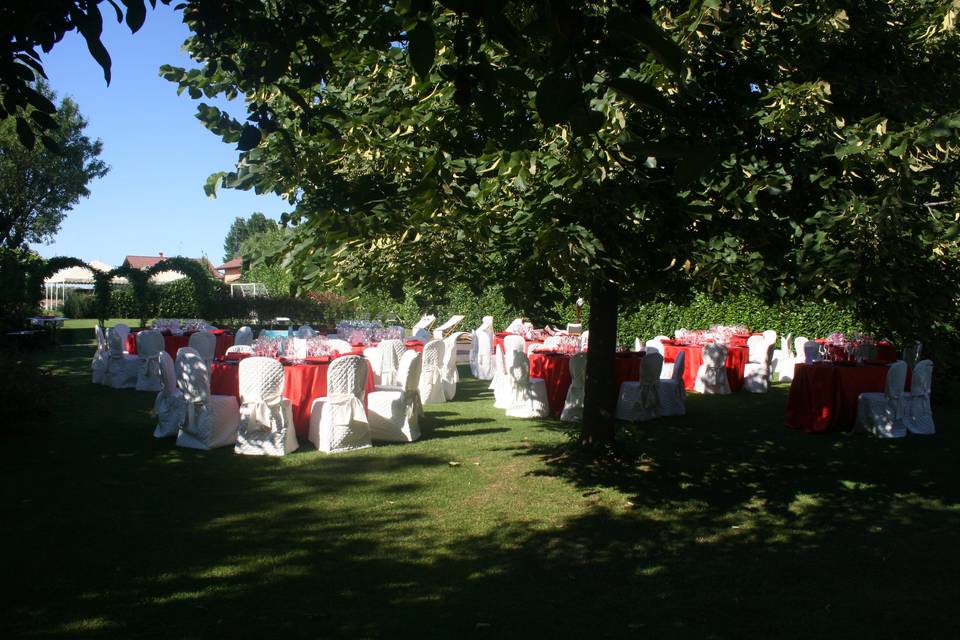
79	304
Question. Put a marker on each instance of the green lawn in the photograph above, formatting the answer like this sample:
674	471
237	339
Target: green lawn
724	525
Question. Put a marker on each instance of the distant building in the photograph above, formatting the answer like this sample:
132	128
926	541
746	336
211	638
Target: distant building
145	262
230	270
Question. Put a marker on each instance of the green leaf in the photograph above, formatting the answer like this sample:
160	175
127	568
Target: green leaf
50	144
422	48
556	96
136	14
645	31
25	133
585	122
249	138
640	93
210	186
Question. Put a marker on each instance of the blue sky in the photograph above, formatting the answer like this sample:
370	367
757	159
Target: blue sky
159	154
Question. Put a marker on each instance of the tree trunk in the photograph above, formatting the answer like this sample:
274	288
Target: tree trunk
600	392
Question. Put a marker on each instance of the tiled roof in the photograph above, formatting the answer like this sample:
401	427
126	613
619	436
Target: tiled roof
236	263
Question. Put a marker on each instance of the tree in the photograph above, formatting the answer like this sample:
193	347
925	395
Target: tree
27	26
274	275
242	229
627	153
39	186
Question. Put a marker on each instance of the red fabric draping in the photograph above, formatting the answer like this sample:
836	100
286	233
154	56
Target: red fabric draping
737	358
303	383
172	343
823	396
499	336
740	340
554	368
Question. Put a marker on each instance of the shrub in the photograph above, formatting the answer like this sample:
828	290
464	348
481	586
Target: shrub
79	304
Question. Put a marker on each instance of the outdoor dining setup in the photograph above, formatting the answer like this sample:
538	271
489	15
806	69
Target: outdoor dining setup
342	390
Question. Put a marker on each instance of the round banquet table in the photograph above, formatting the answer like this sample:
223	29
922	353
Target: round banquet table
554	368
173	343
737	358
886	352
302	384
823	396
500	335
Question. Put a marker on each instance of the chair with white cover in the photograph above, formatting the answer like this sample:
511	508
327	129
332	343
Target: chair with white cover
585	340
514	326
240	348
812	352
911	352
306	331
782	361
882	414
375	361
500	384
387	361
169	407
481	358
205	343
673	396
756	373
449	373
338	421
124	331
770	336
639	400
712	374
394	411
447	327
638	344
431	373
527	396
99	364
149	345
917	413
340	346
266	417
122	369
487	325
211	421
244	336
656	342
573	405
799	349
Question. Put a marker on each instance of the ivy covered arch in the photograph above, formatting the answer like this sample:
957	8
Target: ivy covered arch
49	267
141	291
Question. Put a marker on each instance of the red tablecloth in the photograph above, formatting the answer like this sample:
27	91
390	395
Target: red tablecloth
555	370
172	343
740	340
303	383
886	352
412	345
500	335
737	358
823	396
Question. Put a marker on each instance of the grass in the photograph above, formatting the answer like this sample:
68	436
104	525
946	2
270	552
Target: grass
719	524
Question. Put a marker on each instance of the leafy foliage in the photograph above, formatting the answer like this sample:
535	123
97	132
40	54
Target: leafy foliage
240	230
37	185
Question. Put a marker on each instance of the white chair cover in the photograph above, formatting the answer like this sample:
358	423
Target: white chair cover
99	364
340	346
882	413
122	369
514	343
483	367
585	340
124	331
240	348
501	383
573	405
205	343
673	396
449	372
917	413
527	396
756	373
712	375
394	413
390	353
799	350
638	344
170	408
244	336
338	421
375	362
811	352
514	326
431	373
266	417
640	401
770	336
783	359
149	345
211	421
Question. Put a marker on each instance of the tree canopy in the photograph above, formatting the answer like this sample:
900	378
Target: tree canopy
799	148
241	229
38	186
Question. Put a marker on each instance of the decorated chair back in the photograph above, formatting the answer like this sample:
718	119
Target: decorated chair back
785	346
486	325
759	349
306	331
798	347
484	342
770	336
450	351
714	355
811	352
409	371
678	367
193	375
102	347
390	353
347	375
514	326
650	368
115	343
513	343
578	370
149	343
168	377
585	339
922	378
240	348
654	343
244	336
896	379
518	367
261	380
205	343
433	355
123	330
